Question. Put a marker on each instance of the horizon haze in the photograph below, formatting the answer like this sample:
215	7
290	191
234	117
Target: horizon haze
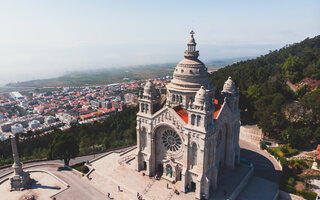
45	39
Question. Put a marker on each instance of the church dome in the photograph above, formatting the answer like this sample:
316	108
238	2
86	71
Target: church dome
200	97
190	73
229	86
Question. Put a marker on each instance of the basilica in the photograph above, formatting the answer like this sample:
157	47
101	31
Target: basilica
187	134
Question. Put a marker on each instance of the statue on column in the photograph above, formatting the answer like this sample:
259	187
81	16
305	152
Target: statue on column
20	180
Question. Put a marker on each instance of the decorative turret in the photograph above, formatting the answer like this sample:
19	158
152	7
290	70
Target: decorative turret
200	98
148	99
201	110
229	86
149	90
230	94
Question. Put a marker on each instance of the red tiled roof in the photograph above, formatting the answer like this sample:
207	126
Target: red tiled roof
217	108
182	113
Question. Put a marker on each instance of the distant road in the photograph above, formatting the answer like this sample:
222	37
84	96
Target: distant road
72	161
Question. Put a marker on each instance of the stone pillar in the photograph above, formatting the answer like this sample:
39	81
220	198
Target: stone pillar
20	179
151	156
17	166
185	160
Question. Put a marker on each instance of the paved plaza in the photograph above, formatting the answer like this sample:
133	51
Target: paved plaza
47	185
43	187
117	169
112	171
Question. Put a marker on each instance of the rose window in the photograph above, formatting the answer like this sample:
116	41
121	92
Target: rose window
171	140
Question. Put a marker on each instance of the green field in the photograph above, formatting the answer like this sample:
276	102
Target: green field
102	76
111	75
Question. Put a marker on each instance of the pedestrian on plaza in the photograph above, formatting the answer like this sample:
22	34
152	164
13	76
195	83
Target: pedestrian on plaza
167	185
108	195
138	195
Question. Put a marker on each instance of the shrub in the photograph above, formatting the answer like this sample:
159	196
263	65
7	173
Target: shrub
263	145
283	161
318	163
288	188
291	181
309	195
84	169
280	153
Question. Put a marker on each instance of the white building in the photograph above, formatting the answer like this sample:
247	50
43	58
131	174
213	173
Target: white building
16	95
191	136
66	118
49	120
17	128
34	124
129	97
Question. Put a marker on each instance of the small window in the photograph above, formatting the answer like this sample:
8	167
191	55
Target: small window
193	117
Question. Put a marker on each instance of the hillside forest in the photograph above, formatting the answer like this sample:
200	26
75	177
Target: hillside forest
266	99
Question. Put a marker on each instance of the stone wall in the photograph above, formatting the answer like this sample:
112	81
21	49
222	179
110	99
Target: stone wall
251	133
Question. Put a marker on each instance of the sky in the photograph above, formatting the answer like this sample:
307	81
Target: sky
45	38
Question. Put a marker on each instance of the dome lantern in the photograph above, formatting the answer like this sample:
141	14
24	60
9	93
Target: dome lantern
191	53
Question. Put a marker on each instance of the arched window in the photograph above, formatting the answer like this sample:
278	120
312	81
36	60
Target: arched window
194	150
198	120
142	107
147	108
193	118
173	98
180	99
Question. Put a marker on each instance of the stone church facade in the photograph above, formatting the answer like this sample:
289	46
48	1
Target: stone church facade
187	135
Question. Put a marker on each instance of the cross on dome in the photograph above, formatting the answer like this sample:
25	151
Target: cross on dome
192	32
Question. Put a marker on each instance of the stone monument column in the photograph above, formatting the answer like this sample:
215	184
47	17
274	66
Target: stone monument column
20	179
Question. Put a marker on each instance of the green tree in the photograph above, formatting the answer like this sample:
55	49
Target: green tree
292	68
316	135
311	105
298	138
64	146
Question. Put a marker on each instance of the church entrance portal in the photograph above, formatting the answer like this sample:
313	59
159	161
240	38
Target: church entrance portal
193	187
169	171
